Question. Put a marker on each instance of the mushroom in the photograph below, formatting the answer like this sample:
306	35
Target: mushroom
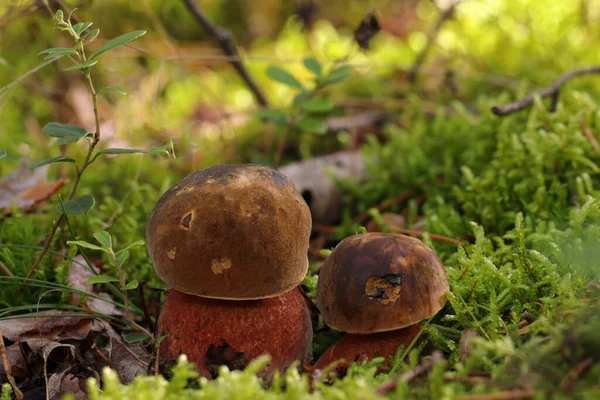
377	287
232	241
215	332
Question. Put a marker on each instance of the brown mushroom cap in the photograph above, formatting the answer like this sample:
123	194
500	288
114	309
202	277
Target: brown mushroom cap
214	332
378	282
234	232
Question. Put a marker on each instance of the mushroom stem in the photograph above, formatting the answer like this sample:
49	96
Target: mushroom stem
353	347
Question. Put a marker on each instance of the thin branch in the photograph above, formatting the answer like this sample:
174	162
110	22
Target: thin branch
588	133
506	395
224	37
28	73
431	39
7	369
4	269
433	236
551	91
421	369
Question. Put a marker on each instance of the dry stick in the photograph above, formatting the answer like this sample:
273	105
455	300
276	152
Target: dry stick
506	395
420	59
5	270
385	205
433	236
588	133
144	306
551	91
408	376
224	37
6	363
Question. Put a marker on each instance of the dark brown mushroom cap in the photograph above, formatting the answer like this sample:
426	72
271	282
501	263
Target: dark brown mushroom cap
379	282
234	232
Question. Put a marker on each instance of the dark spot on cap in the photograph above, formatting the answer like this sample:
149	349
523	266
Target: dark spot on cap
394	279
217	355
186	221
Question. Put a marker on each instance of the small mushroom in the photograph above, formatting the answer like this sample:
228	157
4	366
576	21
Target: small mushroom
215	332
225	233
377	287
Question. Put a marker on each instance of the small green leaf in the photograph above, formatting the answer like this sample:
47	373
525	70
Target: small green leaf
113	89
337	75
58	52
123	257
91	35
58	130
85	245
136	243
158	151
116	42
131	285
121	151
160	339
84	65
82	26
318	105
101	279
78	205
58	16
311	124
313	65
3	153
104	239
135	337
276	117
282	76
52	160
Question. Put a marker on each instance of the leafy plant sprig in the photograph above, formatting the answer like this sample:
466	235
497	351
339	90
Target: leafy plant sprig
116	259
69	133
308	108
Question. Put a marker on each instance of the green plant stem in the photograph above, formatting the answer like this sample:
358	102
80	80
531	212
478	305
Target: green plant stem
126	299
88	157
281	144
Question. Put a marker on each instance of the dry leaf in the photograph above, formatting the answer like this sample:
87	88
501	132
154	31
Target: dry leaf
78	275
26	188
128	360
39	331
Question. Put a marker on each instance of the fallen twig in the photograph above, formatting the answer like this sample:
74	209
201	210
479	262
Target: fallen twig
364	216
224	37
506	395
433	236
147	319
6	364
408	376
431	38
574	373
588	133
5	270
552	91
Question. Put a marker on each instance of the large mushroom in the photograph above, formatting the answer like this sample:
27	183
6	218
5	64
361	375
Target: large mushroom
377	287
232	242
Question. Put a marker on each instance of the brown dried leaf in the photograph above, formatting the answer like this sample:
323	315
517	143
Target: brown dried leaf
39	331
78	275
18	365
61	383
26	188
128	360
